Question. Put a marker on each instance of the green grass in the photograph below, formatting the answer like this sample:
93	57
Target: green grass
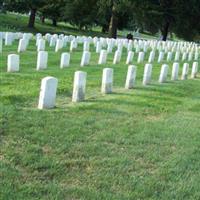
142	143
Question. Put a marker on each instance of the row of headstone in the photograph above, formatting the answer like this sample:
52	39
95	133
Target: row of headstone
42	58
48	90
60	41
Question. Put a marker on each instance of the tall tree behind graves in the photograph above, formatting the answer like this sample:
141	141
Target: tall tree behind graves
114	15
25	6
53	10
81	13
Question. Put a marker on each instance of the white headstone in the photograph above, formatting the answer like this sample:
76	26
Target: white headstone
161	56
194	70
163	73
79	86
86	46
107	81
73	45
129	57
110	47
190	56
22	45
59	45
42	60
169	56
147	74
175	69
117	57
184	56
13	63
102	57
52	42
151	56
98	47
185	71
140	57
8	39
177	56
85	60
65	60
131	76
41	45
48	90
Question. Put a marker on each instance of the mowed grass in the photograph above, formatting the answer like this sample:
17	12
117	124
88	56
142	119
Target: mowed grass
142	143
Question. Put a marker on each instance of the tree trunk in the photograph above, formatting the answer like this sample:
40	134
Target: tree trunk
43	19
31	22
104	28
165	31
113	23
54	22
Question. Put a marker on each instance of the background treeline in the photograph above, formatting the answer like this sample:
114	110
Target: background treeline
181	17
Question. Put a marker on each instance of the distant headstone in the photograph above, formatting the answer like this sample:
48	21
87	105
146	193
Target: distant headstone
59	45
175	69
161	56
73	45
131	76
79	86
8	39
184	56
169	56
65	60
102	57
190	56
52	42
151	56
42	60
140	57
98	47
22	45
185	71
129	57
163	73
41	45
117	57
147	74
86	46
177	56
194	70
85	60
107	81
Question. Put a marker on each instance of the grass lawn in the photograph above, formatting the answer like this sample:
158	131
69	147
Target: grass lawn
142	143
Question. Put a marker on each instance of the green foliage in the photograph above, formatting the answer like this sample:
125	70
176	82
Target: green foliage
80	12
53	9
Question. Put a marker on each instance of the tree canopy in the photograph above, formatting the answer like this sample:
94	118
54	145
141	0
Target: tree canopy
176	16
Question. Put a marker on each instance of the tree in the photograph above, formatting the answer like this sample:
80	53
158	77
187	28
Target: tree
53	10
25	6
81	13
178	16
116	14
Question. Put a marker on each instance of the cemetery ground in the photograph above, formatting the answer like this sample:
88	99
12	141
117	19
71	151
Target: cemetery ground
142	143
